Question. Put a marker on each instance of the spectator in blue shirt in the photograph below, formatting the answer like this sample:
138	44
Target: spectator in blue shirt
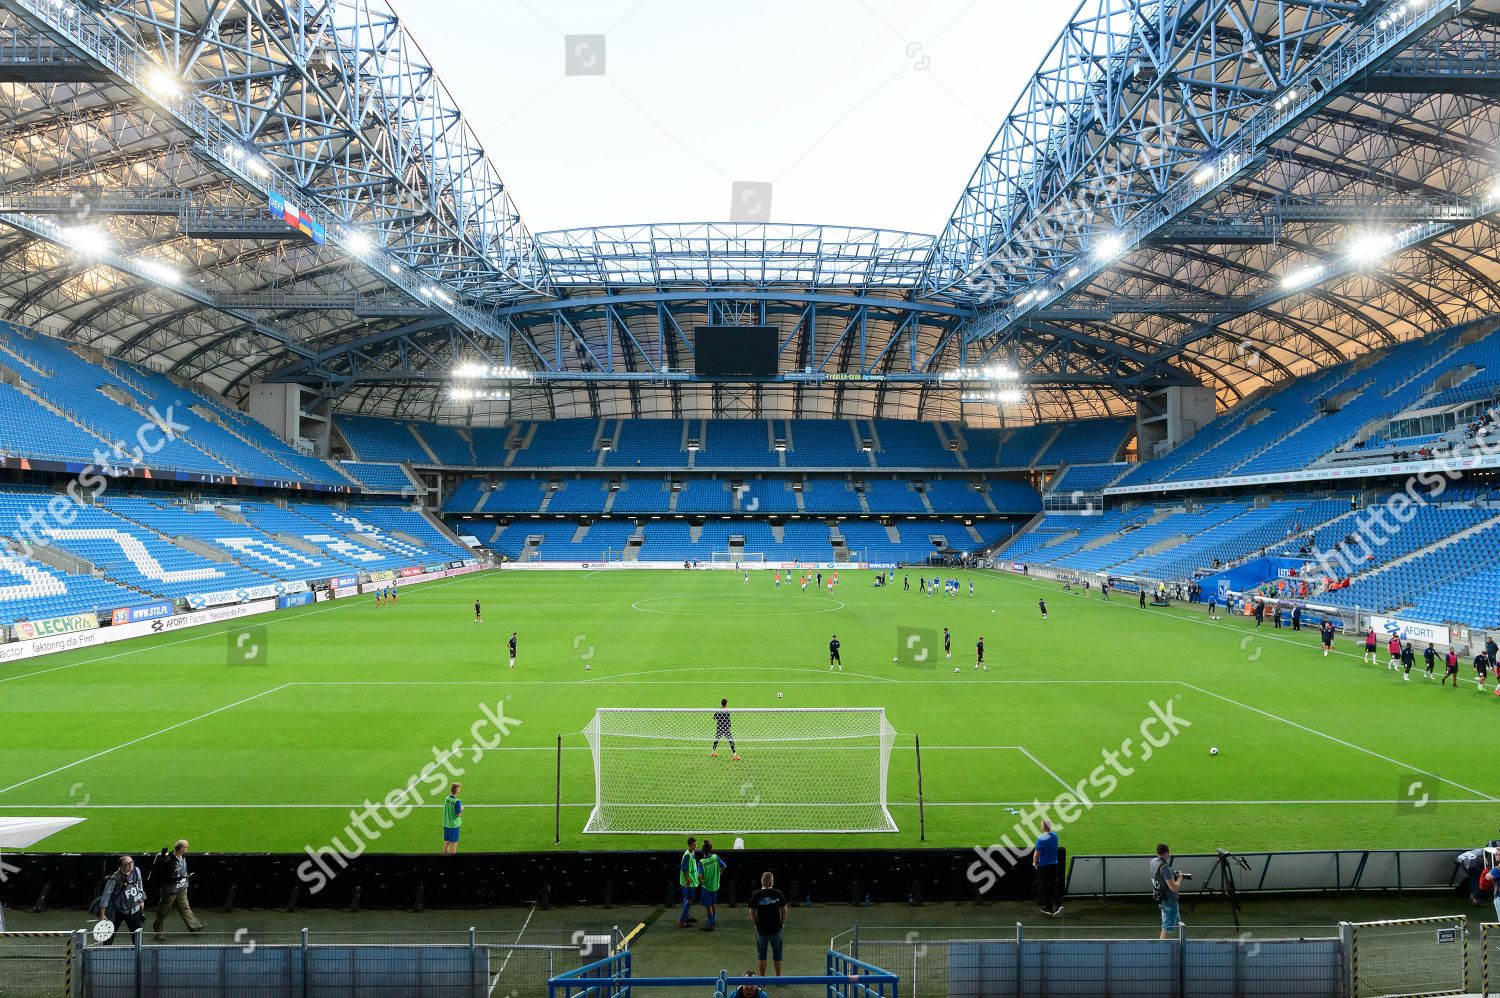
1044	858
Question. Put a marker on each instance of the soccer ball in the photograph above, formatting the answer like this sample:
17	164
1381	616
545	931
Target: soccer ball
778	694
955	668
1213	751
587	667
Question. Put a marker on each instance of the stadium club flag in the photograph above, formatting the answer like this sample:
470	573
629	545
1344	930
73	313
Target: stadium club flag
295	217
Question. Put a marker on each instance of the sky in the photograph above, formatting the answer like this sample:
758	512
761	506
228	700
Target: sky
840	112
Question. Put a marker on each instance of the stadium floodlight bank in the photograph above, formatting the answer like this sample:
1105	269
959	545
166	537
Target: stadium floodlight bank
814	769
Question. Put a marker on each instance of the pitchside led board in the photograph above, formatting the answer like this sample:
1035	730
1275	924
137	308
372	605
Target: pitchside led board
735	351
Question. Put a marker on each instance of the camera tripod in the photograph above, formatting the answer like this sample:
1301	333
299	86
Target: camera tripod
1220	880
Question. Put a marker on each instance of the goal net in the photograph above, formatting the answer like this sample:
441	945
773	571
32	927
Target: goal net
799	770
737	557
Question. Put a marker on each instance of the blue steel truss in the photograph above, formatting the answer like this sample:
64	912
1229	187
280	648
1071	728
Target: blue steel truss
333	106
1141	113
1170	200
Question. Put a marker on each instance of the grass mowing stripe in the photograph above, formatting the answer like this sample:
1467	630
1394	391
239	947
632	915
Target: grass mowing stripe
142	738
280	617
1310	730
384	684
1340	741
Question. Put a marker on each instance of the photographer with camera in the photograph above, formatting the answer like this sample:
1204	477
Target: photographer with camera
171	874
1166	886
122	900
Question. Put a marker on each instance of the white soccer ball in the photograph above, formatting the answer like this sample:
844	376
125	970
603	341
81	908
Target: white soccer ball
778	694
955	668
895	658
587	667
1213	751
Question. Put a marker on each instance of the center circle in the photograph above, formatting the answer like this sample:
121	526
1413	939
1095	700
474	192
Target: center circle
721	605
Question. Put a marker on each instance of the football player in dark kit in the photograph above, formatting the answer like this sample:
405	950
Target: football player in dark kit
723	732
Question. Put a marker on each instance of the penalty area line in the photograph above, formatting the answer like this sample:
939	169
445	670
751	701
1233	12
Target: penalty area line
142	738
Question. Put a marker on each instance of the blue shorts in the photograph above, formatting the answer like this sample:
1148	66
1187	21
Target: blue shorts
689	894
708	898
1170	918
450	834
761	942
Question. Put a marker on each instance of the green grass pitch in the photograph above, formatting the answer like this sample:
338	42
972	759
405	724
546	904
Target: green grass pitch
162	738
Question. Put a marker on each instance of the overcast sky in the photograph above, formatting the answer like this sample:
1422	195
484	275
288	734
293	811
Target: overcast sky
856	112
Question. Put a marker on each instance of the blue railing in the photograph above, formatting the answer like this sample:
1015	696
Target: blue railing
859	979
611	977
600	979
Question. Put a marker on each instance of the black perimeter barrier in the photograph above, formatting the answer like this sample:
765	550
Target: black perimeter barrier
226	881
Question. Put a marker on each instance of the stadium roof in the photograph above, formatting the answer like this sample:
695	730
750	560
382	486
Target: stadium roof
1224	191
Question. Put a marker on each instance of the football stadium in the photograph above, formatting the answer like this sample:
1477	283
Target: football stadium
1076	573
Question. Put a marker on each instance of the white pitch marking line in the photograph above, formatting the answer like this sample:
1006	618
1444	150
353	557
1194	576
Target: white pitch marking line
142	738
508	953
731	682
655	672
1040	765
1216	624
258	619
1340	741
1382	802
1312	731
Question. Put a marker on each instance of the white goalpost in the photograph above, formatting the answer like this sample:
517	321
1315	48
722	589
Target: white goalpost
737	558
798	770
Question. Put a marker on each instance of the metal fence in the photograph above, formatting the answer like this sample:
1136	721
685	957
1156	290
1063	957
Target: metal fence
245	964
37	964
1482	968
1274	962
1489	958
1408	957
614	977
